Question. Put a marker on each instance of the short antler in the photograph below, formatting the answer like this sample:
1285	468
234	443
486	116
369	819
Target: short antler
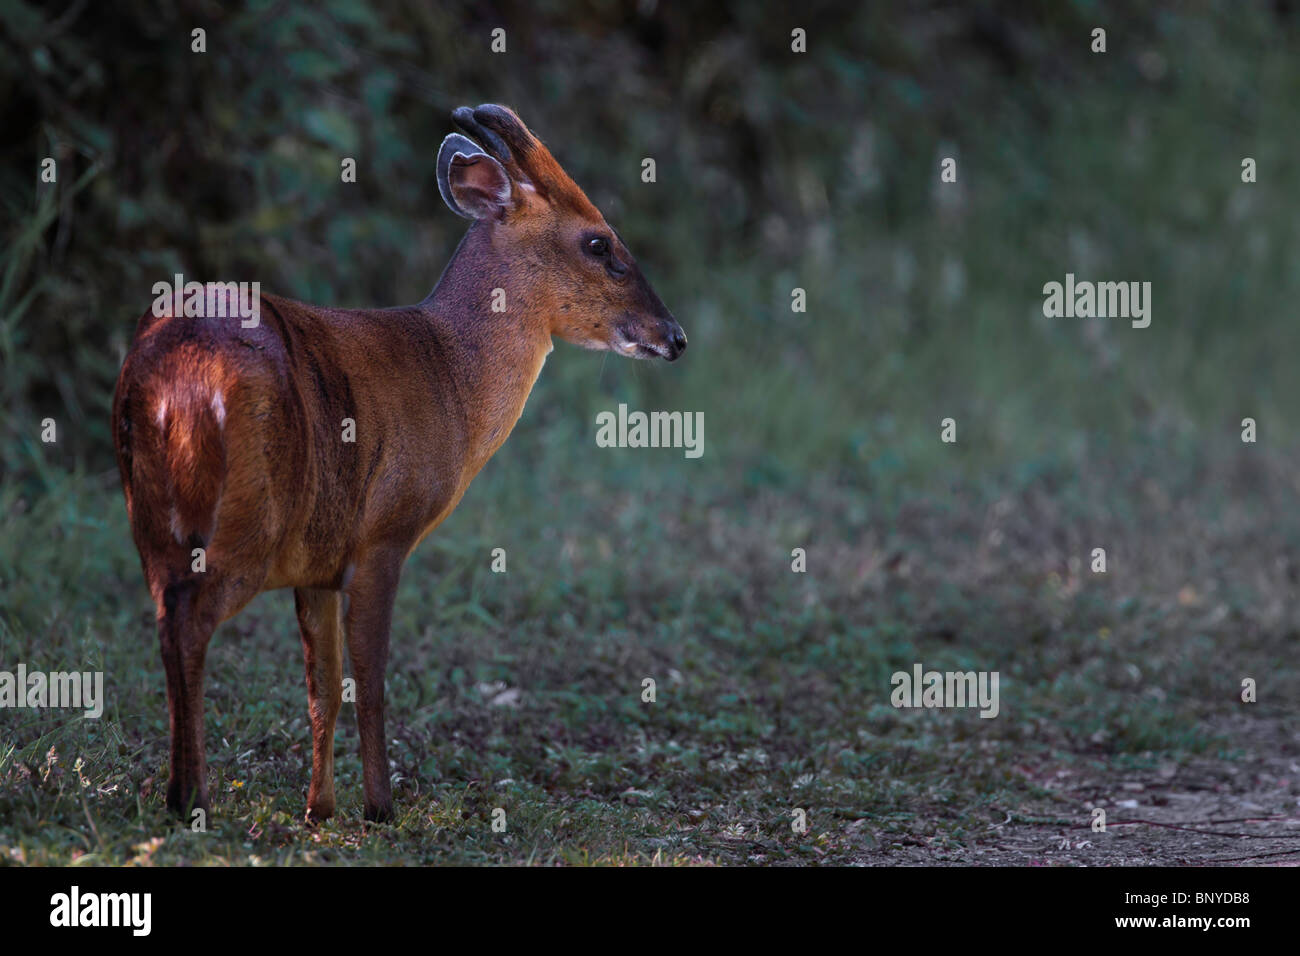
471	121
506	139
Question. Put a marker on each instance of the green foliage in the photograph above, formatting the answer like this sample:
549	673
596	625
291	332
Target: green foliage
776	170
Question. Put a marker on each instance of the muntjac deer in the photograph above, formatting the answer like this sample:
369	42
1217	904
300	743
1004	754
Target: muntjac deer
233	439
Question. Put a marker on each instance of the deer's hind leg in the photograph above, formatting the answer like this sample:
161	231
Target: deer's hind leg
185	625
321	623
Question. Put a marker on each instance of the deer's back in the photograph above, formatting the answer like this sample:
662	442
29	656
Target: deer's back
302	422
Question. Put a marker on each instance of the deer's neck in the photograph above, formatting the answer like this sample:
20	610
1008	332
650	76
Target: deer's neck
493	357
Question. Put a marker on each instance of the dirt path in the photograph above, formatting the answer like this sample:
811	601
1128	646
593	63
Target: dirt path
1207	812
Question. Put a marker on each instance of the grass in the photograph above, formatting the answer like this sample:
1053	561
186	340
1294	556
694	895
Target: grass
522	690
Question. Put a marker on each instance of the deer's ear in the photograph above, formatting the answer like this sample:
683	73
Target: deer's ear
472	183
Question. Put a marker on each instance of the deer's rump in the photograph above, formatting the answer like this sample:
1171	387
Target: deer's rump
206	443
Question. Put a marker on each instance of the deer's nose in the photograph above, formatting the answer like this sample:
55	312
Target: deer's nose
676	343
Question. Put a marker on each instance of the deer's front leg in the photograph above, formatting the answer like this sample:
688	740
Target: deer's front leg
370	613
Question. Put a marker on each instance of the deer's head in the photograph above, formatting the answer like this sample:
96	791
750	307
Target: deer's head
563	259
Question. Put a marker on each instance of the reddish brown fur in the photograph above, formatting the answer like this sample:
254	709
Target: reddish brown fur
277	498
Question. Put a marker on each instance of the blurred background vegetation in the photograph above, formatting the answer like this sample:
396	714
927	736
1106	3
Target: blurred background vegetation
776	170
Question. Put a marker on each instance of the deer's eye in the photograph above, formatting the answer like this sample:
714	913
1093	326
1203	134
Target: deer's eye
598	247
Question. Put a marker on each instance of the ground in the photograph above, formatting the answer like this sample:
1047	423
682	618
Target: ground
522	691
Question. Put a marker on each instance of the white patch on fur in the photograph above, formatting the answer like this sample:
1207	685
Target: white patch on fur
176	525
219	408
160	415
